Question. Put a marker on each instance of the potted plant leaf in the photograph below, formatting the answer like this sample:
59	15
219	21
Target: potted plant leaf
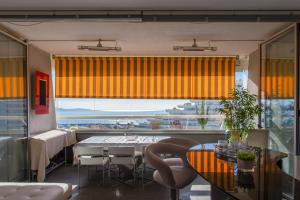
202	121
240	112
246	160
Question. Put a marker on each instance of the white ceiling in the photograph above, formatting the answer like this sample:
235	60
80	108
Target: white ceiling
146	39
150	4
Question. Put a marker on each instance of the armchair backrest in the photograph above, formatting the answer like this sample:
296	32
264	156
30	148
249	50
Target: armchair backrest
184	142
152	154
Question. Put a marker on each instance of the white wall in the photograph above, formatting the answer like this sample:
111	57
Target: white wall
253	72
40	61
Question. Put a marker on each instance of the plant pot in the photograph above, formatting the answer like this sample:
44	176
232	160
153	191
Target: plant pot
245	165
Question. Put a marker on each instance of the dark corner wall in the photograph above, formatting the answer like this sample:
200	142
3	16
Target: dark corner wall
39	60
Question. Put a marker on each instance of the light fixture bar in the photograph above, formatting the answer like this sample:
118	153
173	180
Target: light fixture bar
152	16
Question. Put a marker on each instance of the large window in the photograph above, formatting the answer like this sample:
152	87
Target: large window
198	77
138	114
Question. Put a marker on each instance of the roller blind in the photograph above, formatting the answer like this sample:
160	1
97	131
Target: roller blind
277	80
144	77
12	78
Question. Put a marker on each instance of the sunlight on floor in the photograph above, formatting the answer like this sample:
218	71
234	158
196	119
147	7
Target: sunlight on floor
200	188
200	192
192	197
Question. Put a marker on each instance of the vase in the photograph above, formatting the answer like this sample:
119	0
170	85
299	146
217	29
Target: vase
245	165
234	136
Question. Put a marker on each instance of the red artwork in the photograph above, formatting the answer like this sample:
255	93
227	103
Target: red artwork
41	93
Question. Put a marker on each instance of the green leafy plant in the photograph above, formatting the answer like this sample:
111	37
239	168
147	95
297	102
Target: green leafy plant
203	111
246	156
240	112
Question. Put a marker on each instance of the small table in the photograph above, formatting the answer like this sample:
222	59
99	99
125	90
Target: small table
266	182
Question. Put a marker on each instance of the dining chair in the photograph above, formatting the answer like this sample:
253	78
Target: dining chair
91	156
173	177
122	156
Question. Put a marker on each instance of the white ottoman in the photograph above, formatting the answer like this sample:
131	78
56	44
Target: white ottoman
35	191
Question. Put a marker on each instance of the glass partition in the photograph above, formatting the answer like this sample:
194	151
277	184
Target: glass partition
13	110
278	66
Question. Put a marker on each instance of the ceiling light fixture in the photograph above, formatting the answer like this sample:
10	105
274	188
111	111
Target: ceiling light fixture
100	47
195	47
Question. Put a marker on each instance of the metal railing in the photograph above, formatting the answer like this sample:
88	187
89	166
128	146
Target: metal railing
142	122
143	117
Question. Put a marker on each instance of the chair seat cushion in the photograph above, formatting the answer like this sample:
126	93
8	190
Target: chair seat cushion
182	176
174	161
35	191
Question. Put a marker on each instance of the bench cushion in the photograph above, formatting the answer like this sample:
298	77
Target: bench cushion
35	191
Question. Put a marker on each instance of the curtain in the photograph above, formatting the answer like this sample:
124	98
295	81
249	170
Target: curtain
145	77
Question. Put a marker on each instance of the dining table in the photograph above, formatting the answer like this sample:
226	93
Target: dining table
137	141
121	140
266	181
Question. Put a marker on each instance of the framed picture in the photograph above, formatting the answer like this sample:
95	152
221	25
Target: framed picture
41	93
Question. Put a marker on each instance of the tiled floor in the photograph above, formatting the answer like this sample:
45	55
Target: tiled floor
93	189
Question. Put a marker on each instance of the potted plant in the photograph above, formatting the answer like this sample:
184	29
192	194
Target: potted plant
246	160
239	112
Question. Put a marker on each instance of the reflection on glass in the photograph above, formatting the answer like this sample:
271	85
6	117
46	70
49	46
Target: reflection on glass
277	87
13	110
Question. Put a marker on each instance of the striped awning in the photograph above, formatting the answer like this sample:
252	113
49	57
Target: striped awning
219	172
12	78
277	78
145	77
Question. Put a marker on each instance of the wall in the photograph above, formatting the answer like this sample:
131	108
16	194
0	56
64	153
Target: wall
253	72
39	60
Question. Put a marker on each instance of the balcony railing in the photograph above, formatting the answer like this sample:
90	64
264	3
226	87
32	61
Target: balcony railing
143	122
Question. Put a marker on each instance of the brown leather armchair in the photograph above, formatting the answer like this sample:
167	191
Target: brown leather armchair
173	177
183	142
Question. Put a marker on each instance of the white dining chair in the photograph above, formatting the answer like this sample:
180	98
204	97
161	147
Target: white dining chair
91	156
122	155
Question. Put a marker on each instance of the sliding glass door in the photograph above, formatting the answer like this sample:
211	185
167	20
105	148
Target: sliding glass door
13	110
278	92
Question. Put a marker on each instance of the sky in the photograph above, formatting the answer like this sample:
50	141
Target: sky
119	104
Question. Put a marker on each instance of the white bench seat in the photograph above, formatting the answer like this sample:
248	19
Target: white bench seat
35	191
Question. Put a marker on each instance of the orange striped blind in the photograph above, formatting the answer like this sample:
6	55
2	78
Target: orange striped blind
12	78
145	77
277	78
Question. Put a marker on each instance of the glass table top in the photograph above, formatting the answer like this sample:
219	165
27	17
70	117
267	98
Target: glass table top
267	181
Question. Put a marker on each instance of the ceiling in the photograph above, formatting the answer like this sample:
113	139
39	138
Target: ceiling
147	38
150	4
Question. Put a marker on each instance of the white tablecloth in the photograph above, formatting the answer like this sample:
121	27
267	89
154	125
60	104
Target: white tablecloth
45	146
